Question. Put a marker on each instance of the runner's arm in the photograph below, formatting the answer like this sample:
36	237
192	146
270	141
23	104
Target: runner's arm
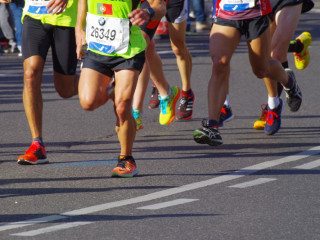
141	16
80	26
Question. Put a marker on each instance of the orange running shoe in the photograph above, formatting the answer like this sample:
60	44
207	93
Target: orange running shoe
126	167
261	122
36	154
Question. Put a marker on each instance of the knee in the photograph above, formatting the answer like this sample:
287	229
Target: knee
260	72
87	102
123	110
220	65
179	48
32	79
66	86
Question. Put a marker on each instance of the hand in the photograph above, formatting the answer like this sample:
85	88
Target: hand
56	6
80	41
139	17
5	1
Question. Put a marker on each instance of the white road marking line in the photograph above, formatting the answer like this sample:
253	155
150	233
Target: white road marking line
309	165
50	229
253	183
31	222
172	191
168	204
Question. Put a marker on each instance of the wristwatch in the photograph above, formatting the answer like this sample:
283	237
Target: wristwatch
150	11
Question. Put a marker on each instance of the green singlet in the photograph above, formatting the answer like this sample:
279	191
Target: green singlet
36	9
109	31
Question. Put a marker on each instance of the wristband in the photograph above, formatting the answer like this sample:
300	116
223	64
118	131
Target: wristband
150	11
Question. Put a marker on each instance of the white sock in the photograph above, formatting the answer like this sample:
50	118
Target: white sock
163	97
273	102
227	101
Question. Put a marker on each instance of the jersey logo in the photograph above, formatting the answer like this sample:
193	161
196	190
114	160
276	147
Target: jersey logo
105	9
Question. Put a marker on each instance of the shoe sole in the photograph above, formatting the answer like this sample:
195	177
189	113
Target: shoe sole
26	162
181	119
128	175
153	107
203	139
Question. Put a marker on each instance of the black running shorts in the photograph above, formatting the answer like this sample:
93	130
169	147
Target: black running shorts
251	28
175	13
107	65
37	38
277	5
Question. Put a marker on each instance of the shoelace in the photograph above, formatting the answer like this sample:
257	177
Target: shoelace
122	163
183	103
164	104
270	117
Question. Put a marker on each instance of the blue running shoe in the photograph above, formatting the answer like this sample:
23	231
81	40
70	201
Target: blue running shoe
273	120
225	115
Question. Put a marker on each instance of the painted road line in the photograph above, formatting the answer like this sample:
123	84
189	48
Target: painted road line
253	183
50	229
309	165
176	190
168	204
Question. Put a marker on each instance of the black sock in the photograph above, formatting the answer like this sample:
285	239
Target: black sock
39	140
290	83
213	123
280	88
295	46
285	65
279	85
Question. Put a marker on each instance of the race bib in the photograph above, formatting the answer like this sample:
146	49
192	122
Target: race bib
237	5
37	6
107	35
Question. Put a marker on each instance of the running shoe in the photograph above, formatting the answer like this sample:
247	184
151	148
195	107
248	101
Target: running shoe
185	107
273	120
36	154
138	117
154	100
207	135
126	167
302	58
168	106
293	95
261	122
225	115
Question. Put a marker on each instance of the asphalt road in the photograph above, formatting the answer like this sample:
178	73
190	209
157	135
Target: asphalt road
253	186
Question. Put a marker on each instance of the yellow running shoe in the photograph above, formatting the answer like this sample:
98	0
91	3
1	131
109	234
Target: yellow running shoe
302	58
261	122
168	106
